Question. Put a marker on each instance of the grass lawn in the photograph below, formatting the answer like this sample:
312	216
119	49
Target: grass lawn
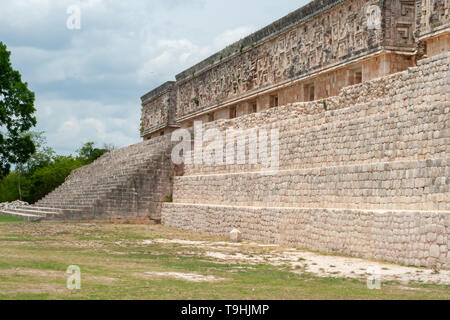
116	263
10	219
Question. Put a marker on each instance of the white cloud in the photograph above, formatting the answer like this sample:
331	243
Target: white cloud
228	37
172	57
70	123
175	55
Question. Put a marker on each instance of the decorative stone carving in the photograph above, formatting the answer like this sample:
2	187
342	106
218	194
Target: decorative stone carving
434	14
373	16
158	108
331	37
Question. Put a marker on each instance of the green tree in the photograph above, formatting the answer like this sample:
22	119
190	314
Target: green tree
8	188
88	153
24	147
16	116
46	179
42	157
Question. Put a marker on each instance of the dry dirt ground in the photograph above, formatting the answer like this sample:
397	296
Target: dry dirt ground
145	261
319	264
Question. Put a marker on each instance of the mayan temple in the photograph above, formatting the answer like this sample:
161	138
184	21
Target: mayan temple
358	94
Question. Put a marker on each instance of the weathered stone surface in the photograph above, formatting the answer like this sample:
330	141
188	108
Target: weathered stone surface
131	182
346	186
372	234
434	251
235	235
12	205
433	15
158	109
366	178
334	33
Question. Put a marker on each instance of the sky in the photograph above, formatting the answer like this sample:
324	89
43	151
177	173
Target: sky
88	74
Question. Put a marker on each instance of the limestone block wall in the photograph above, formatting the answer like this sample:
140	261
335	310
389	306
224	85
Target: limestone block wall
361	134
368	177
411	185
419	238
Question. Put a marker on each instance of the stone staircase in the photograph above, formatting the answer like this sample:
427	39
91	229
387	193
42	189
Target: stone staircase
367	178
127	183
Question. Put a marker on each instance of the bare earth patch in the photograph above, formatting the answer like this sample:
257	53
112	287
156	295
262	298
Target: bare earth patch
309	262
192	277
51	274
42	288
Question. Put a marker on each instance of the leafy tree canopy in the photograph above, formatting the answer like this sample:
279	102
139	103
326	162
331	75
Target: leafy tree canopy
43	155
16	115
89	153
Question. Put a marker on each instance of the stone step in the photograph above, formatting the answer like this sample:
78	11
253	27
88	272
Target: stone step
38	208
72	208
29	210
88	194
52	209
25	216
47	213
70	205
